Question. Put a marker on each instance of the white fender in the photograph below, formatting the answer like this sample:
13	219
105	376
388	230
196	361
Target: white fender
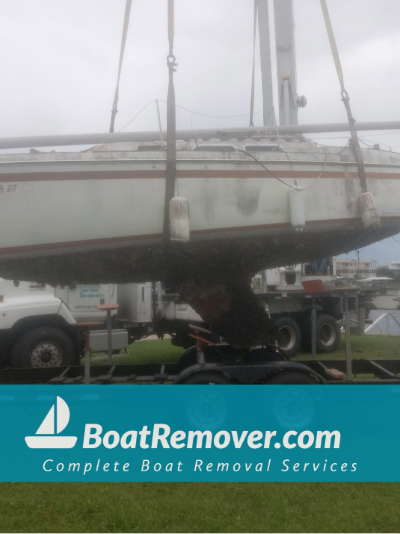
369	213
297	215
179	219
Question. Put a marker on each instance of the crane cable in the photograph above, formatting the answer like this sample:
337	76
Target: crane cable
254	65
114	110
171	123
346	99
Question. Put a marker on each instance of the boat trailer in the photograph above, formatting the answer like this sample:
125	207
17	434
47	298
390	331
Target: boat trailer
327	372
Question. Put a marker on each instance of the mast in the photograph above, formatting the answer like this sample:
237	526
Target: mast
265	57
289	101
286	61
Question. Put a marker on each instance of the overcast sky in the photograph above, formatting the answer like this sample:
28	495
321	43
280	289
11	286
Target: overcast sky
60	58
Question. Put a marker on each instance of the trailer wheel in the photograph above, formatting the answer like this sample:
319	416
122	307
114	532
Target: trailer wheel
296	408
183	341
206	377
203	408
289	339
328	334
267	354
290	377
42	348
212	355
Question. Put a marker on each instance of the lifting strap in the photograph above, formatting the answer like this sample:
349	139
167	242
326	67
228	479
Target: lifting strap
254	64
346	99
171	124
114	110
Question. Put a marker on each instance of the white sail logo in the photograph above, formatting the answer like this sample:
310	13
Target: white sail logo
54	423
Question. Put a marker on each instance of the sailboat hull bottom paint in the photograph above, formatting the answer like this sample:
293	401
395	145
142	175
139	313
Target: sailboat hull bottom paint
240	257
51	442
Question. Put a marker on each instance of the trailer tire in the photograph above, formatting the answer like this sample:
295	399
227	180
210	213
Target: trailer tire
212	355
292	406
289	337
203	408
290	377
328	334
262	355
183	341
205	378
296	408
43	348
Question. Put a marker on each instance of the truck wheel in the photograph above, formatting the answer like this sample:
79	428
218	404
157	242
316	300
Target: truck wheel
289	339
328	334
42	348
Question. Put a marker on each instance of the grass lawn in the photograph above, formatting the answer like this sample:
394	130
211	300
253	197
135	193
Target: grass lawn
212	507
368	347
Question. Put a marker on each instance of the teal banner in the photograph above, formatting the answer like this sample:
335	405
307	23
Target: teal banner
262	433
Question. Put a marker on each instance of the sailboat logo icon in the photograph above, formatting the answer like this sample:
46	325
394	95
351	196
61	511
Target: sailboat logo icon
53	424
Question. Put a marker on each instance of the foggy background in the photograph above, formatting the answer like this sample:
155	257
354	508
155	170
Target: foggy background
60	58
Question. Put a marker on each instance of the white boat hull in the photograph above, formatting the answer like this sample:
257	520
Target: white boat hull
98	217
71	206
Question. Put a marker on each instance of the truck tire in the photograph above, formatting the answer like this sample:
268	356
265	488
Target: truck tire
42	348
328	334
289	339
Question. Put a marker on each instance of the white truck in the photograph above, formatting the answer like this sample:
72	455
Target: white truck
40	325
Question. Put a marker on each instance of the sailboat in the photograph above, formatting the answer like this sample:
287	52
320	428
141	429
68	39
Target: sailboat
205	214
53	424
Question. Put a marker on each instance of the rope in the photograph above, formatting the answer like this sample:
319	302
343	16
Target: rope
114	110
254	64
214	116
346	99
332	41
165	102
171	124
119	131
171	26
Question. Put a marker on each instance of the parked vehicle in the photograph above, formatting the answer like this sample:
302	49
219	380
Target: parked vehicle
42	327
